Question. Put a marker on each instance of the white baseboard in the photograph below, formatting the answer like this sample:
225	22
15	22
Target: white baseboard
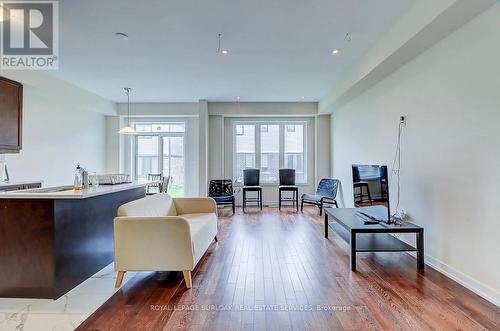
466	281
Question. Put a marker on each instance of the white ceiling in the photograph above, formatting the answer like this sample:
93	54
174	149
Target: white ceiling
280	50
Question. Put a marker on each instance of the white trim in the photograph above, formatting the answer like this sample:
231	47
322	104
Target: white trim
466	281
161	116
316	180
267	116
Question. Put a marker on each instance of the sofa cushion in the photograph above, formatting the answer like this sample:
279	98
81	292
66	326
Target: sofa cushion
203	228
160	204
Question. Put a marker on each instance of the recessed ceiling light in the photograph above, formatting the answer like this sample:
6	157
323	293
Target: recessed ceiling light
121	35
335	51
238	98
225	51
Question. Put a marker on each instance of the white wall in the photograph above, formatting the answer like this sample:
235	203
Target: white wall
62	126
450	170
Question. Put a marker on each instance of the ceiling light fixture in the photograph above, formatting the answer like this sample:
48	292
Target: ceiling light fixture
335	51
219	46
121	35
127	129
238	98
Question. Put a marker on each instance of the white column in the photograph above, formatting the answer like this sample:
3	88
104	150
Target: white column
203	147
322	137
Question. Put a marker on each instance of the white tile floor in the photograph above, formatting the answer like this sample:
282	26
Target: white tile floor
63	314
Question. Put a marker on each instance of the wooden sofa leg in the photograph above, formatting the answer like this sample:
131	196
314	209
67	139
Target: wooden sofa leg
187	278
119	279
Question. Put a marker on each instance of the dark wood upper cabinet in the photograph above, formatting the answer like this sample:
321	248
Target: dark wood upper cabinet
11	114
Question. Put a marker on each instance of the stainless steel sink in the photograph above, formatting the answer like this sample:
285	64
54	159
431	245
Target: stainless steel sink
48	189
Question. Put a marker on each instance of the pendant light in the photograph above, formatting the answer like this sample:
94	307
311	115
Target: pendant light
127	129
220	50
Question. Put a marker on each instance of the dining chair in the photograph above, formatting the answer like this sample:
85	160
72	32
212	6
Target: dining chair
358	183
287	184
164	184
154	178
251	183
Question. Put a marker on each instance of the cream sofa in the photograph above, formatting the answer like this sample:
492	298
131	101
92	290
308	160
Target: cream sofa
160	233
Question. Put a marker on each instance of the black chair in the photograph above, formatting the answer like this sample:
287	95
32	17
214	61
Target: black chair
325	193
384	184
287	184
251	183
164	184
221	190
156	186
357	183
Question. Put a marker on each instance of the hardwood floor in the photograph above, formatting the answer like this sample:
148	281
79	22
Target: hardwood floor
275	271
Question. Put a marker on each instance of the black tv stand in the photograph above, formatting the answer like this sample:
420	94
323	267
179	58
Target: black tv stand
350	226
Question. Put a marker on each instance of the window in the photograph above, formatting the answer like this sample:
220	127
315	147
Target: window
294	150
244	149
269	153
270	146
159	148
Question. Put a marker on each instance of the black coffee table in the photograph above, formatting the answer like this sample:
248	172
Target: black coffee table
350	226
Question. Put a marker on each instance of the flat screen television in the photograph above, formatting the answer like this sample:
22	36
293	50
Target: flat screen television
371	188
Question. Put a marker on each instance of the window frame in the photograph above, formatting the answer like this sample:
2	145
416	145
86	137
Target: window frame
283	124
242	133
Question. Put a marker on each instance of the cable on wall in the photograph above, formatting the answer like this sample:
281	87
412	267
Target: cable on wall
396	167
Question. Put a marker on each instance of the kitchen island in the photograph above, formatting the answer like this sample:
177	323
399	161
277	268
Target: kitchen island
52	239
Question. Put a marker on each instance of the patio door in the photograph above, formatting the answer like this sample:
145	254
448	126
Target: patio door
173	163
161	153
